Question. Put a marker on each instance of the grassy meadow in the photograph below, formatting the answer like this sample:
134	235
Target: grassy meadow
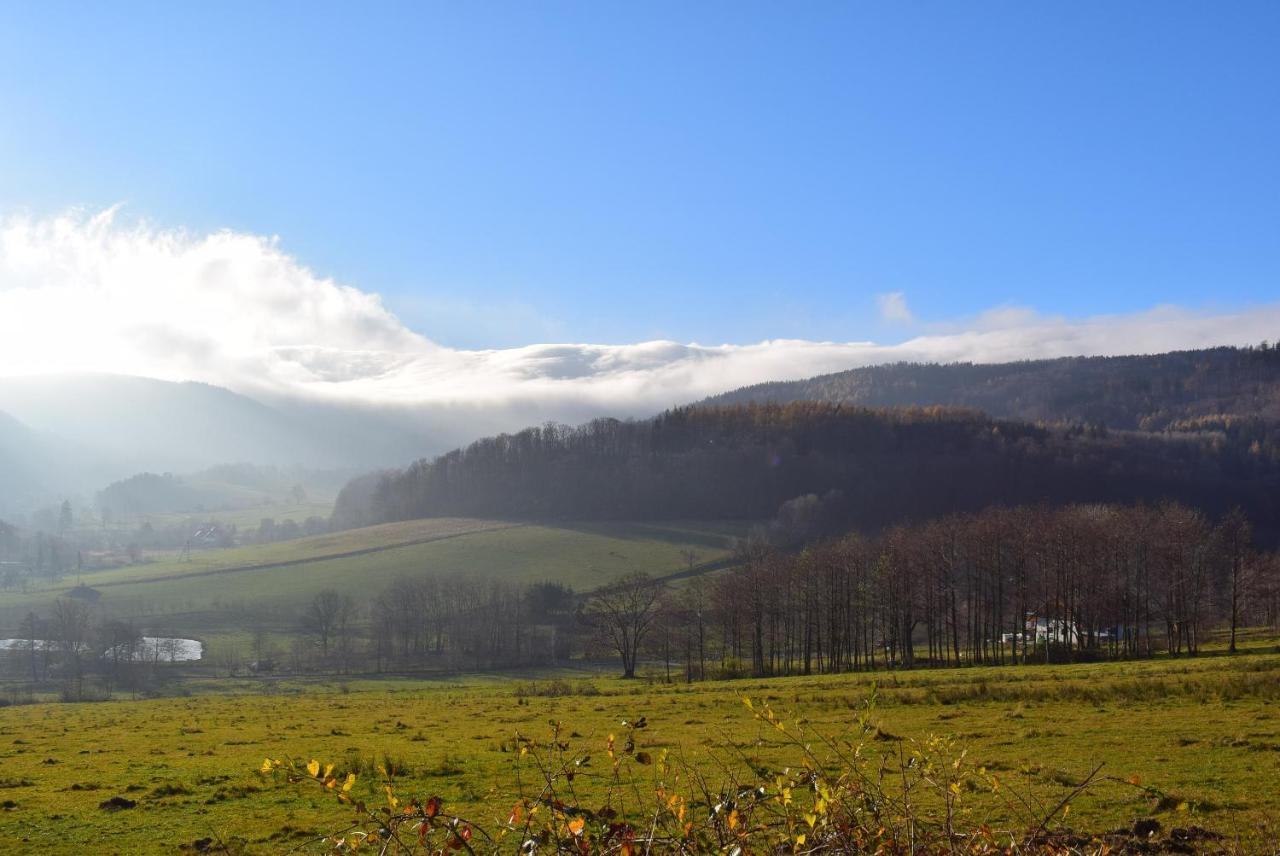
218	595
1193	741
1199	737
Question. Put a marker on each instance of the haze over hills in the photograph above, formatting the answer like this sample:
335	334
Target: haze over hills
73	434
25	460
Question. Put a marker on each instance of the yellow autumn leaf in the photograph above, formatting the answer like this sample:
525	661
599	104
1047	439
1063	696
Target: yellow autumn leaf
349	783
266	765
313	769
576	825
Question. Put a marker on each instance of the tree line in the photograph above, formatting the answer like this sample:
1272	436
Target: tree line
1004	586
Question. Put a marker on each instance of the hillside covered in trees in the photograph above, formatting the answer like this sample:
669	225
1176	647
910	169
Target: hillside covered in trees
1224	389
870	468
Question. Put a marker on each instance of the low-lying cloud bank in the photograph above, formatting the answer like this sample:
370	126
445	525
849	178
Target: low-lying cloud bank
90	292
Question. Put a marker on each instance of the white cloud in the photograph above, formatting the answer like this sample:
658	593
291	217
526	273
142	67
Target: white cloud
894	309
462	320
90	292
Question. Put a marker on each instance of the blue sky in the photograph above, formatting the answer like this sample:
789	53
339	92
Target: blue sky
508	174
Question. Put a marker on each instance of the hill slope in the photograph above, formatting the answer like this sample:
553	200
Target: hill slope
220	593
744	462
1150	393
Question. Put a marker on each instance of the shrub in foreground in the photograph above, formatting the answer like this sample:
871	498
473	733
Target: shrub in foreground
839	794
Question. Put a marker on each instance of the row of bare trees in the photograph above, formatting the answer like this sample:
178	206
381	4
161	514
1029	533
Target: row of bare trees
1003	586
452	621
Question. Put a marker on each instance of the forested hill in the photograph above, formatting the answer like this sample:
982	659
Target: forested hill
877	466
1184	390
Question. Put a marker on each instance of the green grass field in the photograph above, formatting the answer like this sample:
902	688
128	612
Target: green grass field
210	595
1202	737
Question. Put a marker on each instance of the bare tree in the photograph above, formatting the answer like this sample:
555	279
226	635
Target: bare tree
1234	532
263	651
121	642
344	632
327	614
228	657
696	602
71	623
625	612
33	630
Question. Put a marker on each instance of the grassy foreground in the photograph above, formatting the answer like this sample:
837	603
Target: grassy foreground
1197	740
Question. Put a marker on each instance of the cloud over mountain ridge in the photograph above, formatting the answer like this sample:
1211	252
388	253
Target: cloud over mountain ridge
235	310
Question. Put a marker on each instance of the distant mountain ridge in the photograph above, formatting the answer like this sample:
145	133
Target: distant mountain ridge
1159	392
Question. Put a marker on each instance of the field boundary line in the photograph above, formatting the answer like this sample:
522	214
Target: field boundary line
290	563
